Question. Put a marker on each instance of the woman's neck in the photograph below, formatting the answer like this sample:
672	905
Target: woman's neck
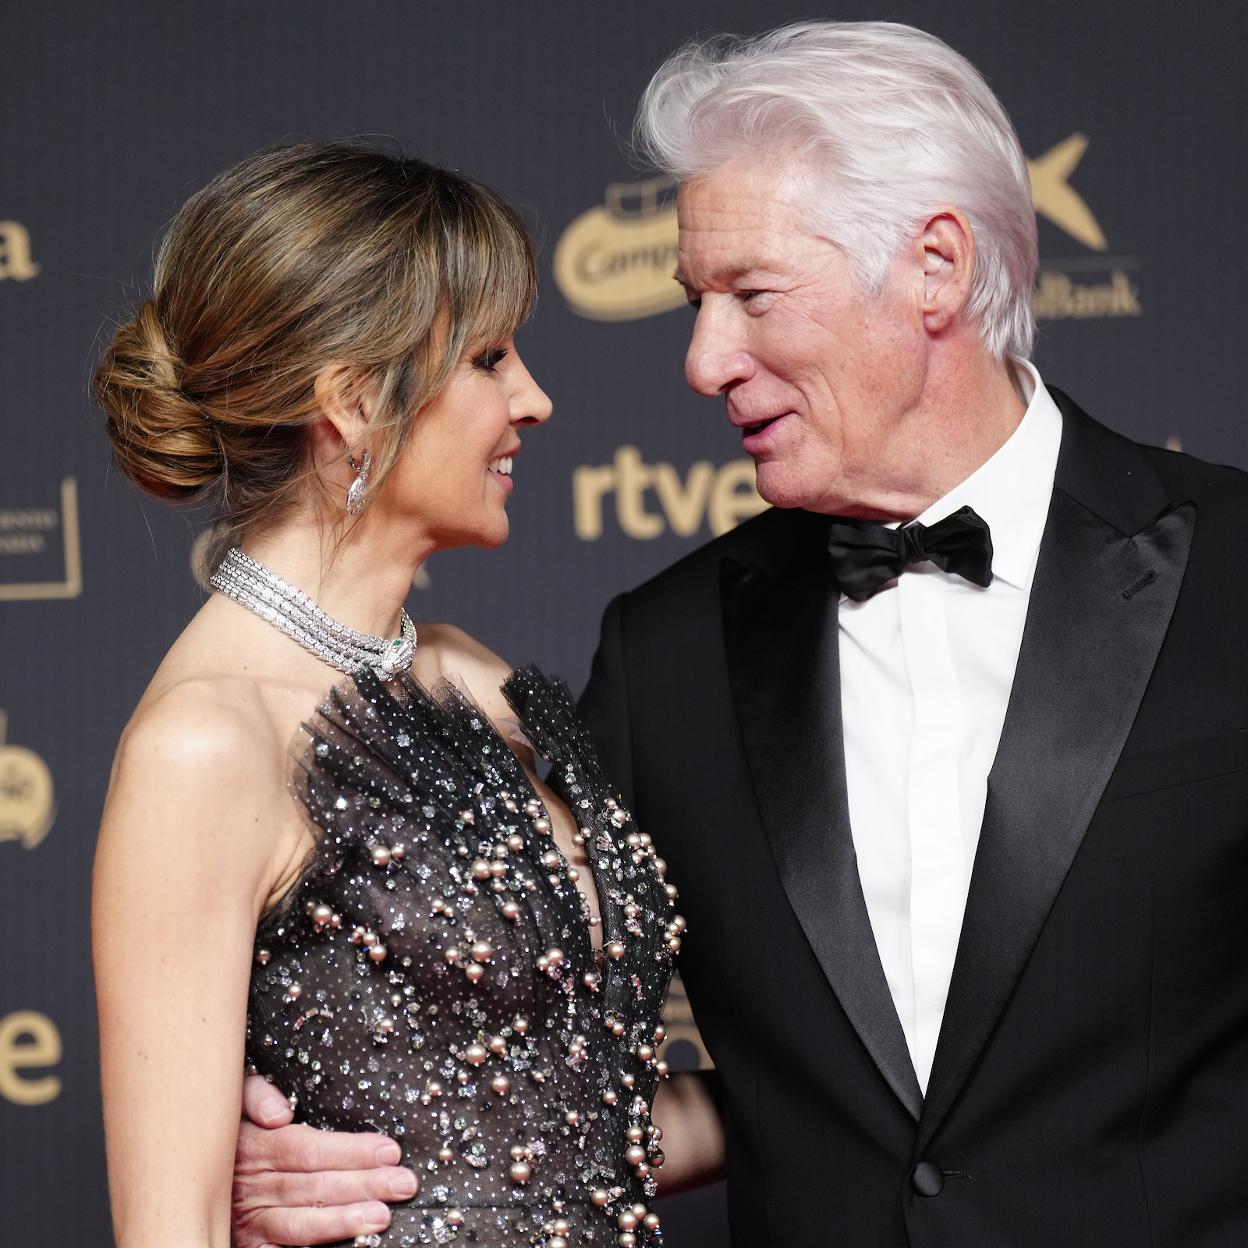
359	578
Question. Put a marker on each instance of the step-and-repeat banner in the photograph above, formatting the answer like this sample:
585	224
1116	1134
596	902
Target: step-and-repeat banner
1132	115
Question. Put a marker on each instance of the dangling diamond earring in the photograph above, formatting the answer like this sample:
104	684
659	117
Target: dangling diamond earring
359	487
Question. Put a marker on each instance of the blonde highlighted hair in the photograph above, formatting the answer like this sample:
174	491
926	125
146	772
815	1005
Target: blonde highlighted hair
297	257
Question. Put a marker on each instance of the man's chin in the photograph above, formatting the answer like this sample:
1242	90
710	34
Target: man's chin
781	486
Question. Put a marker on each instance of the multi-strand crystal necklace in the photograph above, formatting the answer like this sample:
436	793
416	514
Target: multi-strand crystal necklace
250	583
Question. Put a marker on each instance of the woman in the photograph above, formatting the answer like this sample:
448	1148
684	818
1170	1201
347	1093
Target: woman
428	941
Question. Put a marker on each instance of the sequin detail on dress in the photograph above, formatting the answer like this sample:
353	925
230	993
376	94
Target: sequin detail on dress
431	975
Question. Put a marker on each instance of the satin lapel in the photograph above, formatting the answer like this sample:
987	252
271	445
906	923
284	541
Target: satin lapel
783	663
1100	605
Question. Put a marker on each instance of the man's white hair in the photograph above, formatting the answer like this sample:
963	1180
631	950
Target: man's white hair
900	122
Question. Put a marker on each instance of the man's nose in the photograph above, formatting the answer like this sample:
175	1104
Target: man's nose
715	360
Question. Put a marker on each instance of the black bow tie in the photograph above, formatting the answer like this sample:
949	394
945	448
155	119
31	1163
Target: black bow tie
866	554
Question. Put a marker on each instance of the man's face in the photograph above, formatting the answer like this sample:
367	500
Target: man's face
819	378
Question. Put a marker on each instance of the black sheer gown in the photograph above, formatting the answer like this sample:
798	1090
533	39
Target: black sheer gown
431	976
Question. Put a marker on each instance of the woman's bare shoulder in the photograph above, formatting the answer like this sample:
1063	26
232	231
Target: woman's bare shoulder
201	754
201	721
231	691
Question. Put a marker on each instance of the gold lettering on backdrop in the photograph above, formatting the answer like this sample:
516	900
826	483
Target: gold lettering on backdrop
632	479
15	259
684	502
1056	199
589	486
27	801
28	1042
1078	287
1058	296
616	262
26	532
719	497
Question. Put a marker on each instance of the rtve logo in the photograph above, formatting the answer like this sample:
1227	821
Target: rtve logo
719	497
616	261
15	258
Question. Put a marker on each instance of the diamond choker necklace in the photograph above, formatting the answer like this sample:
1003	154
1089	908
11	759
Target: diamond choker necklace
250	583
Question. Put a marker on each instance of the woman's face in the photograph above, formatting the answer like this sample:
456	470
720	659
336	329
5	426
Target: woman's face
454	474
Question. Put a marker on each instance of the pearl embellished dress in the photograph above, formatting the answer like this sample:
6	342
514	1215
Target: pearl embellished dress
431	975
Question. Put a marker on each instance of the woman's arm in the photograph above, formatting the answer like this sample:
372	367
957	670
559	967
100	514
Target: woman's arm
686	1107
186	860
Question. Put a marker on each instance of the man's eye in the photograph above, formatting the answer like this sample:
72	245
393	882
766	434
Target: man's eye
746	295
490	358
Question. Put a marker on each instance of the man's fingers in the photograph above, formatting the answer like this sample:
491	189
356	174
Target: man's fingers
321	1226
305	1149
263	1104
339	1187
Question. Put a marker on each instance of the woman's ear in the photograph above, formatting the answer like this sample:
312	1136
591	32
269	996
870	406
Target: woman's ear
341	398
341	435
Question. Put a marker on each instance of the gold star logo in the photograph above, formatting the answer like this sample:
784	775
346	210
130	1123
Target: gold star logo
1056	199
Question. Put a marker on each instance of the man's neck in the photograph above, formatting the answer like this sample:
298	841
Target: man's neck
963	421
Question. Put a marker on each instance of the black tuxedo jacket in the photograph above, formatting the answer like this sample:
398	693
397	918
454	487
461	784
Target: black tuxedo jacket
1090	1085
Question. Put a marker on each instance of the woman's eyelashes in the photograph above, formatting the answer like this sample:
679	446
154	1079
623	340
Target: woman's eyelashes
489	359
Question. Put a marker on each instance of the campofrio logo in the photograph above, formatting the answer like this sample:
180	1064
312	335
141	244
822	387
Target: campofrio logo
616	261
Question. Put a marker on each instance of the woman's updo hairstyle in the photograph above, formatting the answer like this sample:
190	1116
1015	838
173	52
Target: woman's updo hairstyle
297	257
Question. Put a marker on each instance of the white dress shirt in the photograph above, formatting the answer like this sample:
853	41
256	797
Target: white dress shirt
926	669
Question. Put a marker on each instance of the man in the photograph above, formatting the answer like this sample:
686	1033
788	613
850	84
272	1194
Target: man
948	753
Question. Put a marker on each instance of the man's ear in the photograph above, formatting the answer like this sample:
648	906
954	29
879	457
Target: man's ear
342	427
948	245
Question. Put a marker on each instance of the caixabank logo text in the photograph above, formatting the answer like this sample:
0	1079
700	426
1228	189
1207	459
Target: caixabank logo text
1090	284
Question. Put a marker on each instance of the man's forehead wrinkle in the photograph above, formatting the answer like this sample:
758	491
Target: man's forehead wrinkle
732	213
730	256
737	228
727	274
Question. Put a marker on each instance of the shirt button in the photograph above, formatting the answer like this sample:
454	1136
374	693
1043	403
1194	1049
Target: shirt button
927	1179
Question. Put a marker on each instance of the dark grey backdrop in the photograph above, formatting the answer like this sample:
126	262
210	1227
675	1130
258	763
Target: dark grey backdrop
113	113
